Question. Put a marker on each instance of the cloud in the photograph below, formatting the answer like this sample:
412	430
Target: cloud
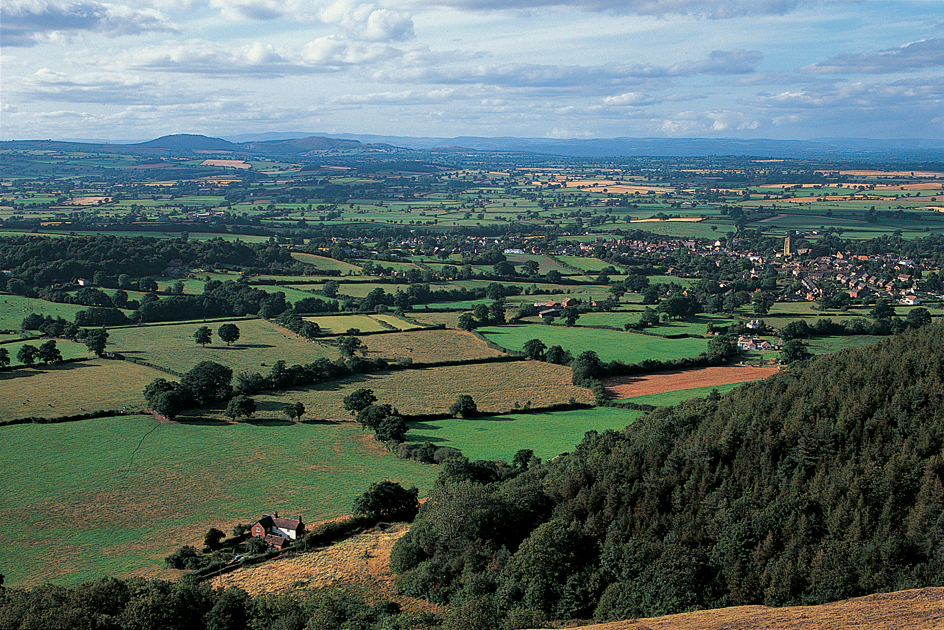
926	53
25	22
259	10
110	88
707	122
559	77
714	9
634	99
369	22
722	62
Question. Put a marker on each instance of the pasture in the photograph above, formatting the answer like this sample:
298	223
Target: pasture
610	345
114	496
173	347
427	346
15	308
495	387
73	388
500	437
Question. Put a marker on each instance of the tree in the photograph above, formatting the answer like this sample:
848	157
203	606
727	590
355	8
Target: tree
213	538
496	312
534	348
349	345
203	335
208	381
557	355
918	317
4	357
294	411
96	340
231	610
49	353
466	322
371	416
392	428
464	407
793	350
168	403
27	355
330	288
228	333
530	267
570	314
388	500
481	313
585	367
883	309
359	399
523	459
240	406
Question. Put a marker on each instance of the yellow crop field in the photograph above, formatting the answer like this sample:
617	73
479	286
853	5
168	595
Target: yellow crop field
427	346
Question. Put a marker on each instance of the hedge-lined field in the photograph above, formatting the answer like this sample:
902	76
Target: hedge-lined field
608	344
500	437
73	388
116	495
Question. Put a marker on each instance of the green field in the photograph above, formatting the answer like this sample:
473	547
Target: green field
173	346
68	349
500	437
15	308
73	388
610	345
670	399
114	496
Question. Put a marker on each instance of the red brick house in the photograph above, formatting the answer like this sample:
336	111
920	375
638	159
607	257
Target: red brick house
277	531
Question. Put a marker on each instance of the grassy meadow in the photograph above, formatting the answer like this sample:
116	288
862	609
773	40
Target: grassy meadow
73	388
500	437
116	495
610	345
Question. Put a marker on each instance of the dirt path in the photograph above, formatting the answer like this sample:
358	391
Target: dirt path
632	386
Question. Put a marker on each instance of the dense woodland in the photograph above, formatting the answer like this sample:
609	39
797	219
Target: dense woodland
820	483
823	482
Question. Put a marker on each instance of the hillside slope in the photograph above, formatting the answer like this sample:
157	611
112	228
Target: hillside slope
916	609
818	484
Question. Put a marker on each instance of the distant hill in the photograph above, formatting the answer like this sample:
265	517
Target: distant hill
189	142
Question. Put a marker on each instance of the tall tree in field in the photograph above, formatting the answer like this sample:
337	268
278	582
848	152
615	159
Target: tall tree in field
49	353
294	411
4	357
27	355
228	333
208	381
240	406
96	340
203	335
359	399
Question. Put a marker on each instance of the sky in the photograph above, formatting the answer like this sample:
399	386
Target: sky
783	69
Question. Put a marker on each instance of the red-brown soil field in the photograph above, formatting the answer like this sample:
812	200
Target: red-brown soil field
631	386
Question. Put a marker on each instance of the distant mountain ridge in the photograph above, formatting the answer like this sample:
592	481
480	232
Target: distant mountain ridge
301	145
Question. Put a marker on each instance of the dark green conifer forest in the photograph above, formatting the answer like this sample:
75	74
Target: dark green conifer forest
822	482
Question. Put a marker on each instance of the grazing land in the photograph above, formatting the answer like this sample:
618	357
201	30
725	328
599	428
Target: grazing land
610	345
73	388
118	494
173	346
500	437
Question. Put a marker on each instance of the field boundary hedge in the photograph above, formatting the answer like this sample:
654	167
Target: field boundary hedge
494	346
102	413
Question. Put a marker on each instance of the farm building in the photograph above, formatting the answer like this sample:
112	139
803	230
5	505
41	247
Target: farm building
277	531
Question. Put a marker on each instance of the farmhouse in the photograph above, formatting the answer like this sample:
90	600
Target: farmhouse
277	531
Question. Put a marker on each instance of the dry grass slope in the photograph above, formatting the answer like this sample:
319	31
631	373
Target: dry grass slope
918	609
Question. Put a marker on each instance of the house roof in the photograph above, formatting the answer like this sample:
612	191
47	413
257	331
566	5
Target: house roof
268	521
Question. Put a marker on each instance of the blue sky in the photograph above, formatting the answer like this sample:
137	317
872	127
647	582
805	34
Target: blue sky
785	69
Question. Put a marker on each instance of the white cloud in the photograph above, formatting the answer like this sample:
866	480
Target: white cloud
715	9
369	22
926	53
27	22
634	99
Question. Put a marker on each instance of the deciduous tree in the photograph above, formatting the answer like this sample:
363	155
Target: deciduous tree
228	333
203	335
